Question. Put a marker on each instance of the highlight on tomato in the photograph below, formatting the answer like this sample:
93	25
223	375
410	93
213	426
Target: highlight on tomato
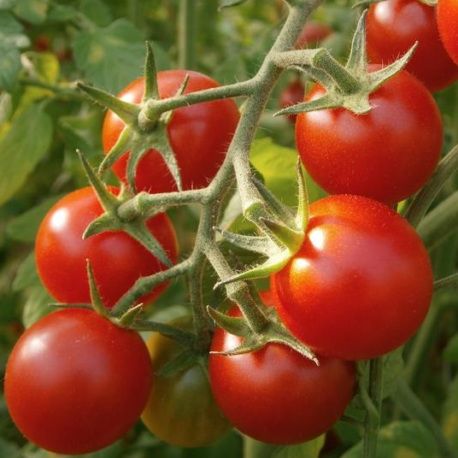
117	260
360	286
199	134
394	26
75	382
181	409
276	395
387	154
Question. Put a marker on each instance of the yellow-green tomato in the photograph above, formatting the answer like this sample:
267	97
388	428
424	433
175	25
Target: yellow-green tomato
181	409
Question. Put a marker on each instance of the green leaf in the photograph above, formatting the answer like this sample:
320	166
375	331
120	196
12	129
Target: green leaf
9	25
10	65
97	12
7	4
451	350
7	449
309	449
36	305
25	143
230	3
27	274
24	228
46	66
33	11
277	164
450	415
401	440
61	13
111	57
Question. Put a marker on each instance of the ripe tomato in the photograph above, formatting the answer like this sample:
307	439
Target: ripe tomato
76	383
394	26
199	134
447	20
276	395
312	34
292	94
387	154
181	409
116	258
361	284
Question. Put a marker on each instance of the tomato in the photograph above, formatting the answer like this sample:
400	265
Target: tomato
361	284
447	20
387	154
312	34
292	94
199	134
76	383
181	409
116	258
276	395
394	26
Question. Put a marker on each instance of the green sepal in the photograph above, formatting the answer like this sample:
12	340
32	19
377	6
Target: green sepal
167	116
357	60
181	362
272	265
248	346
233	325
327	102
316	74
184	338
302	215
119	149
96	300
61	305
261	245
103	223
229	3
128	318
151	85
285	236
277	208
128	112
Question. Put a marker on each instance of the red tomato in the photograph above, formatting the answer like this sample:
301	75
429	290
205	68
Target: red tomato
76	383
394	26
116	258
312	34
199	134
361	284
447	19
292	94
387	154
276	395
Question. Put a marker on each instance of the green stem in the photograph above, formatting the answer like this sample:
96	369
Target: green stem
414	409
372	422
187	34
68	91
440	222
446	282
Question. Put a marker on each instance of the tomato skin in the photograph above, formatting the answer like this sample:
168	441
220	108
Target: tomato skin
394	26
199	134
181	409
76	383
387	154
447	20
361	284
116	258
275	395
292	94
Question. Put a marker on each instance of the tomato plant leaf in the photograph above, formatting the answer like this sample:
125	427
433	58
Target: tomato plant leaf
24	228
25	143
33	11
27	274
230	3
113	56
10	65
451	350
97	12
450	415
7	4
409	439
61	13
36	306
309	449
7	449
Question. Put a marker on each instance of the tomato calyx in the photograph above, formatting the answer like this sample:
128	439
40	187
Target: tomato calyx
273	332
346	87
144	129
283	232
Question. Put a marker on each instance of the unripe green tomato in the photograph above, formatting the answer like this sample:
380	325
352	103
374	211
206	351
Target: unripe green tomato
181	409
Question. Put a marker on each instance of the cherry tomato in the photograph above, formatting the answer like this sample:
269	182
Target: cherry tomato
447	19
387	154
76	383
199	134
181	409
116	258
361	284
292	94
276	395
394	26
312	34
